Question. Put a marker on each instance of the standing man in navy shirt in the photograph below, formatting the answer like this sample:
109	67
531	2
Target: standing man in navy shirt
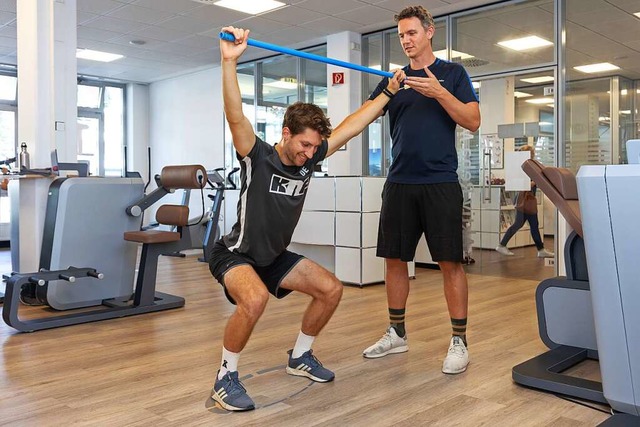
422	193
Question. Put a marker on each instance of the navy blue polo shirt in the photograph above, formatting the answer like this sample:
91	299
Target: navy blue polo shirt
423	146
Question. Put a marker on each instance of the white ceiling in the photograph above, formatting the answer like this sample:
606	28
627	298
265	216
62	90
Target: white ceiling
182	35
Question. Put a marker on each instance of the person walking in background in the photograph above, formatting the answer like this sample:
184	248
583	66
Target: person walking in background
526	211
422	194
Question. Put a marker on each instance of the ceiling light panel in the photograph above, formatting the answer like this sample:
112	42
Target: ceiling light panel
96	55
540	100
596	68
252	7
540	79
442	54
525	43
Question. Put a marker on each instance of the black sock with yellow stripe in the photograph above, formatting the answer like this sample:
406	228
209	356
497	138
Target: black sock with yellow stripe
459	327
396	319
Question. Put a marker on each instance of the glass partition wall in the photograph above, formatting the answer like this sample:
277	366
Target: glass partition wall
601	87
513	52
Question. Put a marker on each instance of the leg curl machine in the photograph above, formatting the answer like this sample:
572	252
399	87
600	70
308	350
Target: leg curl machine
85	222
591	313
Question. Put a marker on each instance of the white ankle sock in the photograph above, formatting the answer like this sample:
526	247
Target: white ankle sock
303	344
229	362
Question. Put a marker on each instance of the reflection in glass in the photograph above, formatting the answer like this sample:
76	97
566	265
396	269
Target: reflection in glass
588	123
372	54
89	96
279	81
7	134
8	85
493	40
315	78
246	82
89	143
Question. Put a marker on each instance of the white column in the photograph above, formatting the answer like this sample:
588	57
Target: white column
47	79
138	129
47	114
345	99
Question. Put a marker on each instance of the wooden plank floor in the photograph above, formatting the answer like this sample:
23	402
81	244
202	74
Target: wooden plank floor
157	369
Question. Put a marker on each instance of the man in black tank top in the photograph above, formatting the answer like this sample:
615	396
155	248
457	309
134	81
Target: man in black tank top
252	261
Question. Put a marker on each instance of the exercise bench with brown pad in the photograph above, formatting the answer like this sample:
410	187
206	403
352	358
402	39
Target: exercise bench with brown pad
158	242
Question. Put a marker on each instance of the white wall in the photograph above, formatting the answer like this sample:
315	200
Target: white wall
186	124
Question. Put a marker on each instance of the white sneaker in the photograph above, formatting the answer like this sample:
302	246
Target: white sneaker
457	357
389	343
543	253
504	250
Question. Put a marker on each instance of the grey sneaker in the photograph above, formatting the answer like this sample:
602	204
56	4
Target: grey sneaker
308	366
390	343
231	394
543	253
457	357
504	250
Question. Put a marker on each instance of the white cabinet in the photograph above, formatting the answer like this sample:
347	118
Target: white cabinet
358	202
339	228
493	212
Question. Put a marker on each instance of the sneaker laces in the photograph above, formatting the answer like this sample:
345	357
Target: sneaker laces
457	347
235	386
386	339
313	360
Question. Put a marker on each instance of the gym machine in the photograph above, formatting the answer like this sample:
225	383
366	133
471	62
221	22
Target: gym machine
590	313
90	222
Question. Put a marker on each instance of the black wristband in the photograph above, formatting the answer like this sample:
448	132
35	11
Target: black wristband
388	93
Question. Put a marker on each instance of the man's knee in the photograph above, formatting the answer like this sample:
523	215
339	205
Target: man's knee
334	289
253	301
329	289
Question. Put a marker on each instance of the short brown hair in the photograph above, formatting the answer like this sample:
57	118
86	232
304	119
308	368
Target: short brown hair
416	12
300	116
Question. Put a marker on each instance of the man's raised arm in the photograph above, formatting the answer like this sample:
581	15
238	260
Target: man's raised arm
241	129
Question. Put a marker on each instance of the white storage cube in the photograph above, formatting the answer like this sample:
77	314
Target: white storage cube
320	195
372	267
348	194
370	221
348	229
315	228
348	265
359	266
490	220
372	193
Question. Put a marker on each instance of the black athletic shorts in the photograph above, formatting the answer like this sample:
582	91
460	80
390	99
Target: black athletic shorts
408	210
223	260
